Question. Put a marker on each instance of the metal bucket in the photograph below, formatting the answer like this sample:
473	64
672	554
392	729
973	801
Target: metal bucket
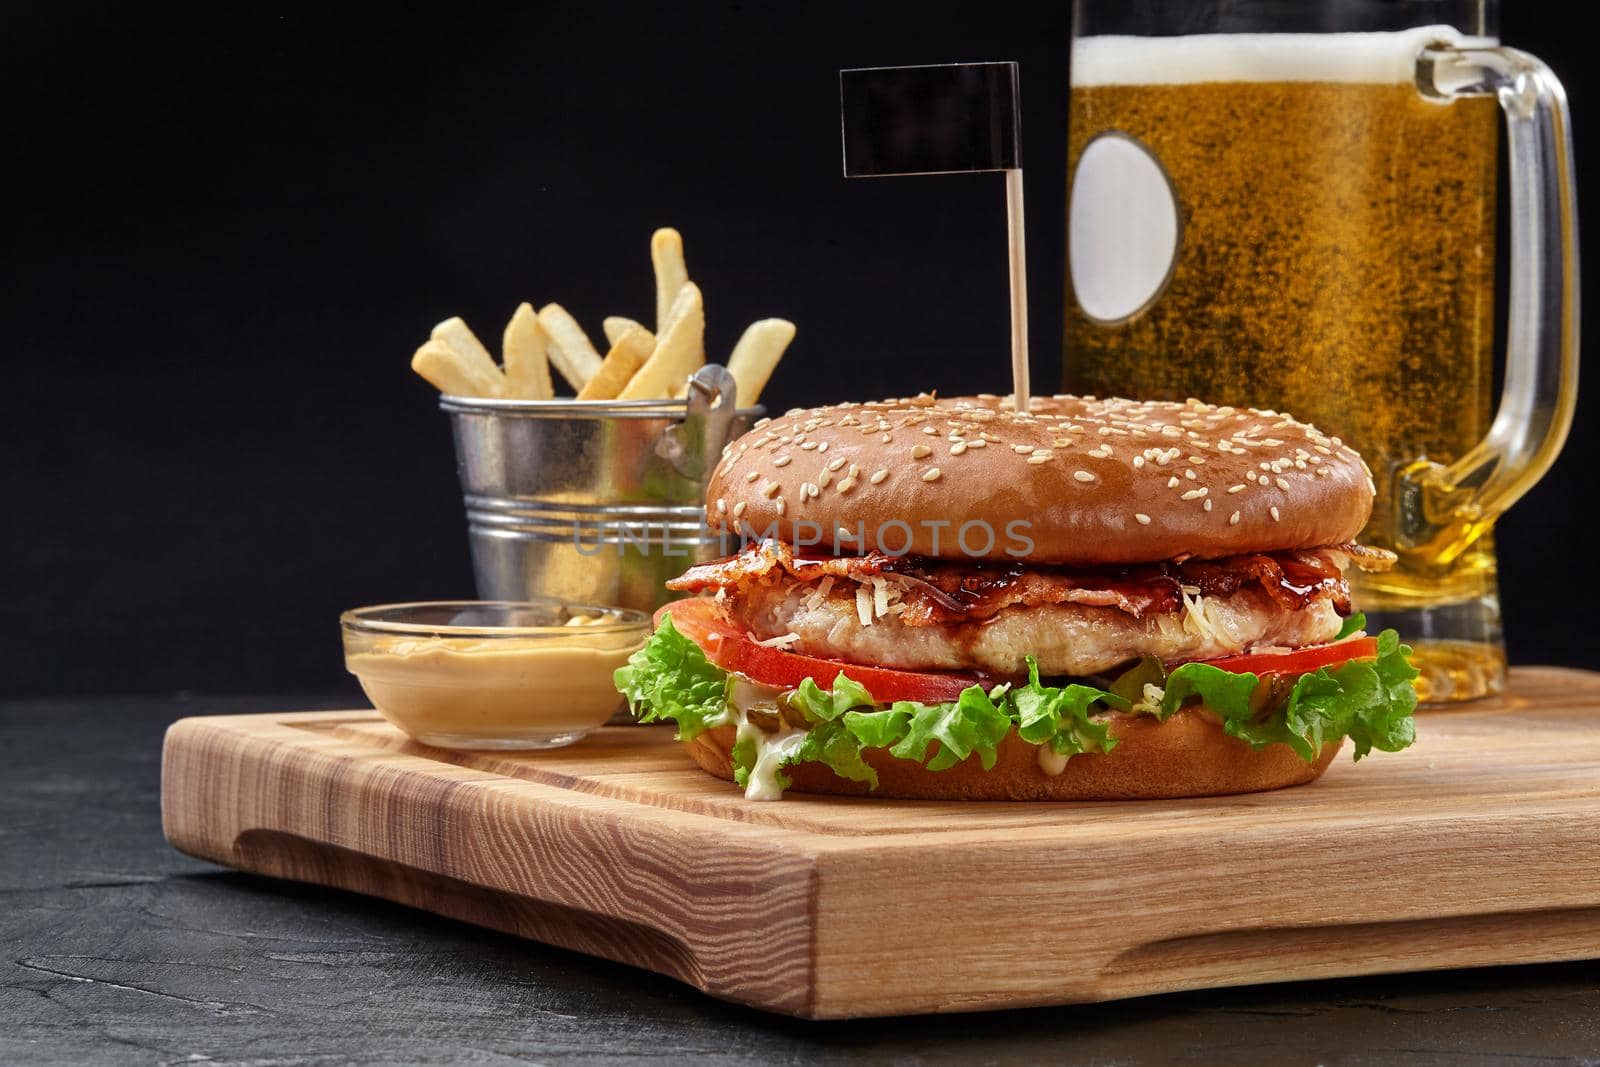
596	501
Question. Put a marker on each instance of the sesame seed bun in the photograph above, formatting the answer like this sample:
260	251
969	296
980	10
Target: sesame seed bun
1186	756
1093	481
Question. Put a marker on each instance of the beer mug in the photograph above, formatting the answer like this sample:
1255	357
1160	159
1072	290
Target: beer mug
1292	206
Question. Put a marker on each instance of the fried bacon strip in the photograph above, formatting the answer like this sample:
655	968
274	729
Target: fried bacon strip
944	591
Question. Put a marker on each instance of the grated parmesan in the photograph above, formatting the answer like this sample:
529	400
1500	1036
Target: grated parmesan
820	593
781	641
863	605
1198	622
880	597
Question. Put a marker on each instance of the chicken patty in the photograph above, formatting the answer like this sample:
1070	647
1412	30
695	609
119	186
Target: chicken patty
1066	639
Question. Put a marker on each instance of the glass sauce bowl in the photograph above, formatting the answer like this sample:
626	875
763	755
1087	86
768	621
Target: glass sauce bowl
492	674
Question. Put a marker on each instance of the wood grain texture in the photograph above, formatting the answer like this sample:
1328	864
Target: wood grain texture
1479	845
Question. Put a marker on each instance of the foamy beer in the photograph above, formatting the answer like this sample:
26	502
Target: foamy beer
1305	220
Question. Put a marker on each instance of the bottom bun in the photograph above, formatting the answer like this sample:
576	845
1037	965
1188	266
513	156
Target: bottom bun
1188	755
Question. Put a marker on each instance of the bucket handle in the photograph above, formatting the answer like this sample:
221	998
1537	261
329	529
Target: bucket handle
694	445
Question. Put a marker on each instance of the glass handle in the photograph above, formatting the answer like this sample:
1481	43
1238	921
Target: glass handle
1443	509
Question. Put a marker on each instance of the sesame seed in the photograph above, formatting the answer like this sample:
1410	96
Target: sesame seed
782	506
930	431
1189	474
1196	494
1138	461
846	484
835	463
1322	471
1142	518
722	506
1083	476
1236	488
822	447
771	489
1233	520
980	443
738	509
1274	511
921	451
1103	452
931	474
958	448
1250	475
752	476
1041	458
1174	482
1281	484
1197	460
781	461
1022	450
886	439
879	476
824	478
1206	503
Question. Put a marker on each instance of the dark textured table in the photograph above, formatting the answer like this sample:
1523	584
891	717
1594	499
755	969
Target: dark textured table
118	950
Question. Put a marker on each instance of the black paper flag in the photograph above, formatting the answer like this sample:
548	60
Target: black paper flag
945	120
930	120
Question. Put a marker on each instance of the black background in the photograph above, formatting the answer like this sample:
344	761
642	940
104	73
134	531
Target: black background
228	231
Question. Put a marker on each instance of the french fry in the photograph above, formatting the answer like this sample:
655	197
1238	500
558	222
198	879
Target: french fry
628	353
755	356
568	346
679	352
527	369
455	335
616	325
672	274
454	375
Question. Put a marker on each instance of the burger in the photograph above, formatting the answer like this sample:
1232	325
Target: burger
1092	599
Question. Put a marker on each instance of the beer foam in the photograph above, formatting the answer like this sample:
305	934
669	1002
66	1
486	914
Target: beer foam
1357	58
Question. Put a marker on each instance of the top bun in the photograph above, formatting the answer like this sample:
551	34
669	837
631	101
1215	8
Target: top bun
1094	481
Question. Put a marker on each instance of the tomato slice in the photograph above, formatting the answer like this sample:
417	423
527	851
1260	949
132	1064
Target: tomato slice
1299	660
732	650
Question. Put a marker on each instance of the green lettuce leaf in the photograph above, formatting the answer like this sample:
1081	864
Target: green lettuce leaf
880	729
1352	625
973	723
833	745
821	705
743	757
1369	702
670	678
1060	717
1224	692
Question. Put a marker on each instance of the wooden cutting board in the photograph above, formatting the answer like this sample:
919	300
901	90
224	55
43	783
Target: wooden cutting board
1479	845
